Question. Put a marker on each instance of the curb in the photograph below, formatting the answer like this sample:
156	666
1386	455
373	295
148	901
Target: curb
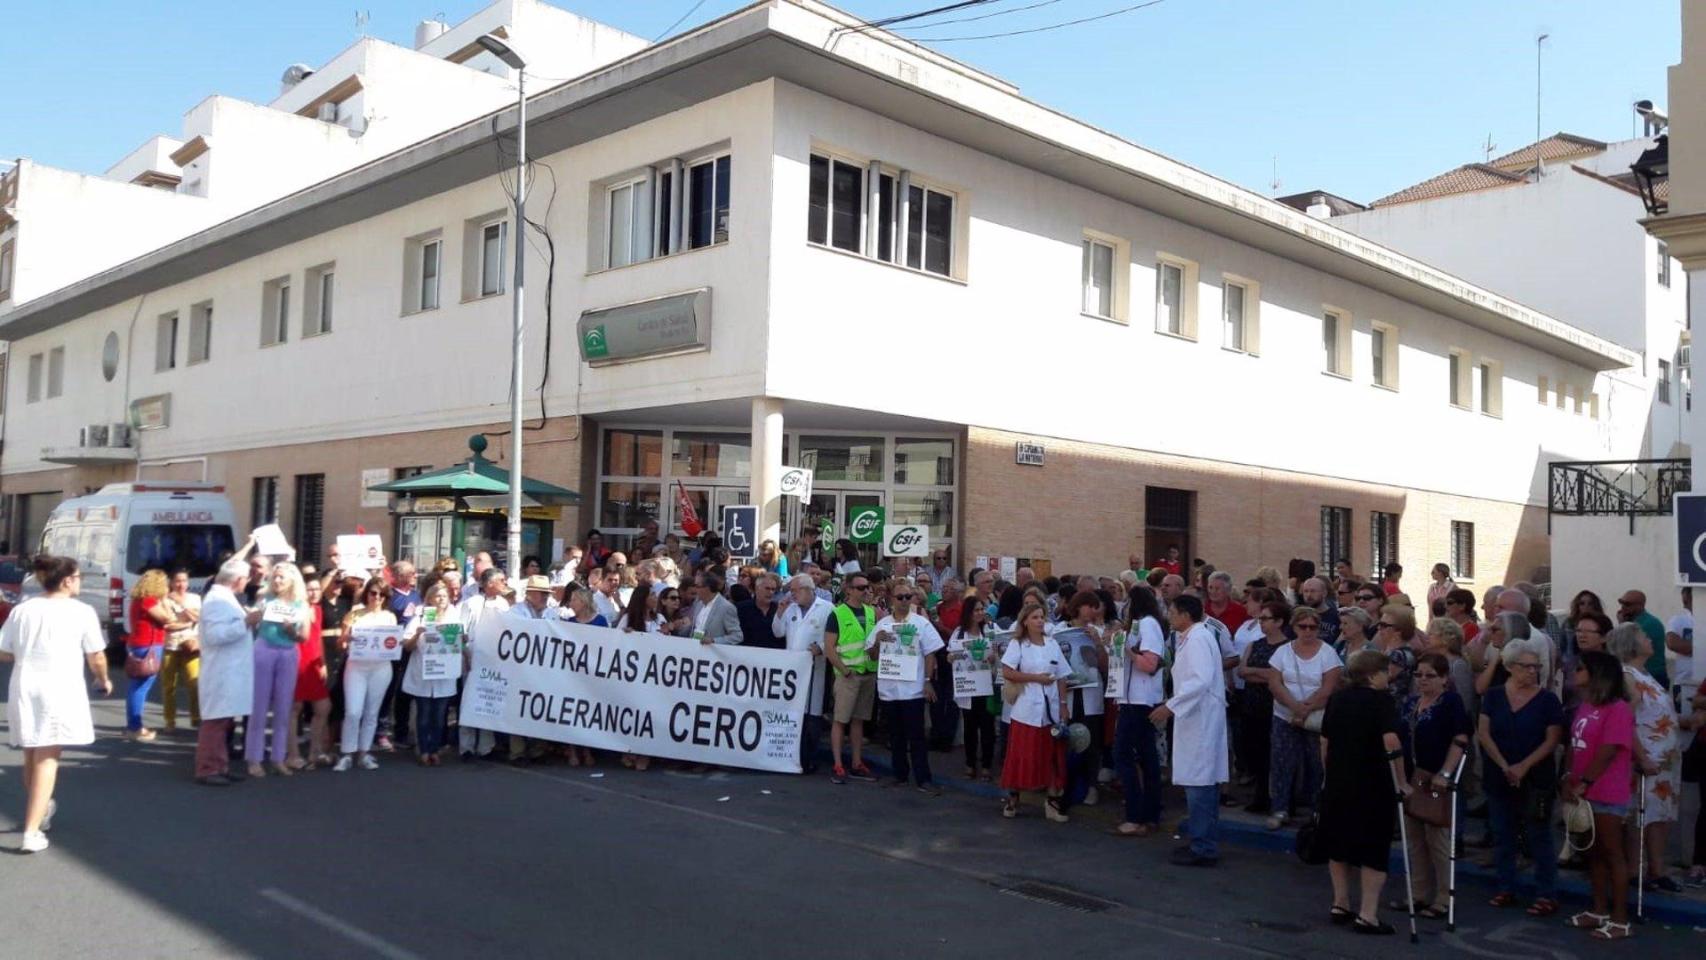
1663	907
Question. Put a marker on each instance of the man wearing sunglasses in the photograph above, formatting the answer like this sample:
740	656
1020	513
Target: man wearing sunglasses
851	652
905	675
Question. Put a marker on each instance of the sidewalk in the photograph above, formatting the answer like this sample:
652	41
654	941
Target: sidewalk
1248	831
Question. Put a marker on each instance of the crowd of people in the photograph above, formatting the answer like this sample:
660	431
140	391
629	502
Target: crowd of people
1329	693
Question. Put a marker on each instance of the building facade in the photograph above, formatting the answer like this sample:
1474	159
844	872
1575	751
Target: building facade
780	240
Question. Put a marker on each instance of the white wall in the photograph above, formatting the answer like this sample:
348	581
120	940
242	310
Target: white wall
1009	348
1600	554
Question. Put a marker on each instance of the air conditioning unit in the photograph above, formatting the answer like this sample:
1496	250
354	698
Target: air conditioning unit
118	435
93	435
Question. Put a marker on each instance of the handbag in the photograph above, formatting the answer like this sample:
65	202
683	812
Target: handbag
1311	844
143	667
1311	723
1430	806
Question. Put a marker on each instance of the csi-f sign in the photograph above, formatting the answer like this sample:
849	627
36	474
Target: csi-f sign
797	482
1028	454
1690	512
906	540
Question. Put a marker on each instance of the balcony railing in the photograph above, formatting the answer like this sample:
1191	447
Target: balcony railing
1615	488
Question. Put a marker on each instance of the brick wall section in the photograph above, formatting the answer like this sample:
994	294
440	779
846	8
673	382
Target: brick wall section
1084	510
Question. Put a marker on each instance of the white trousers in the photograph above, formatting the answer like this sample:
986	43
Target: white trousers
365	682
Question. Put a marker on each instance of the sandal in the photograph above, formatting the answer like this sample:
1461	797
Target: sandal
1432	911
1137	830
1502	899
1612	931
1543	907
1588	920
1339	916
1379	928
1009	808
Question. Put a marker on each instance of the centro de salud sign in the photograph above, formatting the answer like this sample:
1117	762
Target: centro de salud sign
678	323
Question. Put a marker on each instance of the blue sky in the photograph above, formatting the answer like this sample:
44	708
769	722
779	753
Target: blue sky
1360	97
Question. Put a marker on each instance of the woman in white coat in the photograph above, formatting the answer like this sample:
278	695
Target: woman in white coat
47	708
432	697
227	684
1198	711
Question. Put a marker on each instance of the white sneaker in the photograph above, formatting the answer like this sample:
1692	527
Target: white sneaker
34	842
1277	821
1090	797
368	763
344	763
47	821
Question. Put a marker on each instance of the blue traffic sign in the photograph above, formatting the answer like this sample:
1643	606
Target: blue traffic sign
1690	512
740	531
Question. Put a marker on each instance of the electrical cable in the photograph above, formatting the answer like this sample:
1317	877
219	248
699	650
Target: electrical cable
678	21
904	17
1042	29
983	16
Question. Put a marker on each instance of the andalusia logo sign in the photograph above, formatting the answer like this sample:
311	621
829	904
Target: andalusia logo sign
594	344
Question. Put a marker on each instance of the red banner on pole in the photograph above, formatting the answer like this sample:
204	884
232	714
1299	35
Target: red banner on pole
690	523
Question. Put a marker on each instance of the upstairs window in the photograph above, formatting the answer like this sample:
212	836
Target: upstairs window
880	213
492	239
1662	388
1383	354
275	311
317	312
1335	343
32	391
166	342
201	332
1098	275
55	372
1664	264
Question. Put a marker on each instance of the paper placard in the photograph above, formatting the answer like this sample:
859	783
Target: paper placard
898	658
375	642
278	611
440	651
1079	649
1118	660
364	552
270	541
973	674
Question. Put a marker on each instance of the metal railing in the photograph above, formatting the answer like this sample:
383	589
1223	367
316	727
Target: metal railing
1615	488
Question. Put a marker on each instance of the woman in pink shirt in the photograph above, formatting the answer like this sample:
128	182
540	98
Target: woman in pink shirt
1602	736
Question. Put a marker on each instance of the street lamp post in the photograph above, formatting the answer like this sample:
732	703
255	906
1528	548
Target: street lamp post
506	52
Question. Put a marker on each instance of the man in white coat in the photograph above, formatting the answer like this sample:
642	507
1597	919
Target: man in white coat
227	684
803	617
1198	710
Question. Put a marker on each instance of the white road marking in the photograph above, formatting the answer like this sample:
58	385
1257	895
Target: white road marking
348	931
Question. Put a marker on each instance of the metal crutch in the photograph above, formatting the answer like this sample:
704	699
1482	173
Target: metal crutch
1404	839
1451	881
1641	841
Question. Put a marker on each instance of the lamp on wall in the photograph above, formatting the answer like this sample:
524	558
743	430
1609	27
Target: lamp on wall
1651	170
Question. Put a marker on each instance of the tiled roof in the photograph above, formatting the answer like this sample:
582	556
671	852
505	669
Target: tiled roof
1627	182
1465	179
1558	146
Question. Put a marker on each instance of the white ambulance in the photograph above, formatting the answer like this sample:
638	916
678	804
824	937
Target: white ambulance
126	529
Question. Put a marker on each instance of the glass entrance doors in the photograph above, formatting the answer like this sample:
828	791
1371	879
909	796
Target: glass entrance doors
833	505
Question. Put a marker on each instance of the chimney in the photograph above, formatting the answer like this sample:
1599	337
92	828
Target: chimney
1319	208
1653	122
293	75
429	30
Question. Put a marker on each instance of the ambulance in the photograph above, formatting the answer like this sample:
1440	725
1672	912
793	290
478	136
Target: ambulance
126	529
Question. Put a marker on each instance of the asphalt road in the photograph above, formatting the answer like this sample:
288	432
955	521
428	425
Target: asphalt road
492	861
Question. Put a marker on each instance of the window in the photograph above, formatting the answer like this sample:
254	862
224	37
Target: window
7	255
263	501
317	312
1335	342
492	238
201	331
33	390
1335	535
842	458
1462	550
1664	264
1489	388
1458	388
627	212
1170	298
55	372
165	342
429	260
1663	386
707	202
710	454
1383	354
196	547
275	311
308	527
923	461
1543	387
1233	300
423	268
839	214
1098	278
1383	536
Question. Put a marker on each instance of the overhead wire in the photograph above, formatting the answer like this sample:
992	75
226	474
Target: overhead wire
678	21
1042	29
904	17
982	16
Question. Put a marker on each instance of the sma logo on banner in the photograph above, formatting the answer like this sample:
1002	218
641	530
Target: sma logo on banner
906	540
865	524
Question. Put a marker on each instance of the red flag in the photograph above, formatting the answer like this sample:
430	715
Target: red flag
689	517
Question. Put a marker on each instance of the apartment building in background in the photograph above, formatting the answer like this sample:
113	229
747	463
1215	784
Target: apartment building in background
780	239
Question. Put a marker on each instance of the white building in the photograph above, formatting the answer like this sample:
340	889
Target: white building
790	241
1568	241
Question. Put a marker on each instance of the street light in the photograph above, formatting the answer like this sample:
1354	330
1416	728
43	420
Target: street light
501	49
1651	170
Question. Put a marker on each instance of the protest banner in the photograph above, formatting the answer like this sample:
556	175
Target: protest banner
376	642
441	652
659	696
363	552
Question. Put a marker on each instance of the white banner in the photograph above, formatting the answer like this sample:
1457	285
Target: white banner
797	482
649	694
363	552
906	540
376	642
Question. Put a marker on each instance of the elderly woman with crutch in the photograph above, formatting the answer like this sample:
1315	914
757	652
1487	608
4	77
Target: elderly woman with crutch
1435	730
1360	747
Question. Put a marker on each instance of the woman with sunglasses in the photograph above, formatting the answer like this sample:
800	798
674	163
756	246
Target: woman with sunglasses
365	681
673	617
1392	633
1303	675
1256	706
1521	725
1435	730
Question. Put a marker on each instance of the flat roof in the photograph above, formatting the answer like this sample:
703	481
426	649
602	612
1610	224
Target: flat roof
814	47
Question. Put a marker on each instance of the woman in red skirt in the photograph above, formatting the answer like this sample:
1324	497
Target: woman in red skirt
1035	759
311	690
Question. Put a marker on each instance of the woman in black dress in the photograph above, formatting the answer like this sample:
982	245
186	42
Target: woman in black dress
1360	751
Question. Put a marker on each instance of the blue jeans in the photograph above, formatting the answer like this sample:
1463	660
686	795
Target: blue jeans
1202	823
430	716
136	694
1506	813
1135	755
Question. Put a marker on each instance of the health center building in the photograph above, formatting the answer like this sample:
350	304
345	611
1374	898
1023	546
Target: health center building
780	240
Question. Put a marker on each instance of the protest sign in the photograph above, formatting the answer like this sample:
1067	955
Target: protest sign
1118	662
898	658
972	673
1079	649
376	642
278	611
797	482
270	541
441	652
363	552
670	697
906	540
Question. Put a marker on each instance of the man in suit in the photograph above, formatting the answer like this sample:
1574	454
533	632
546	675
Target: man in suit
717	620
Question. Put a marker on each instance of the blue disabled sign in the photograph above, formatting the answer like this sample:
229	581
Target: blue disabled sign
1690	512
740	531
